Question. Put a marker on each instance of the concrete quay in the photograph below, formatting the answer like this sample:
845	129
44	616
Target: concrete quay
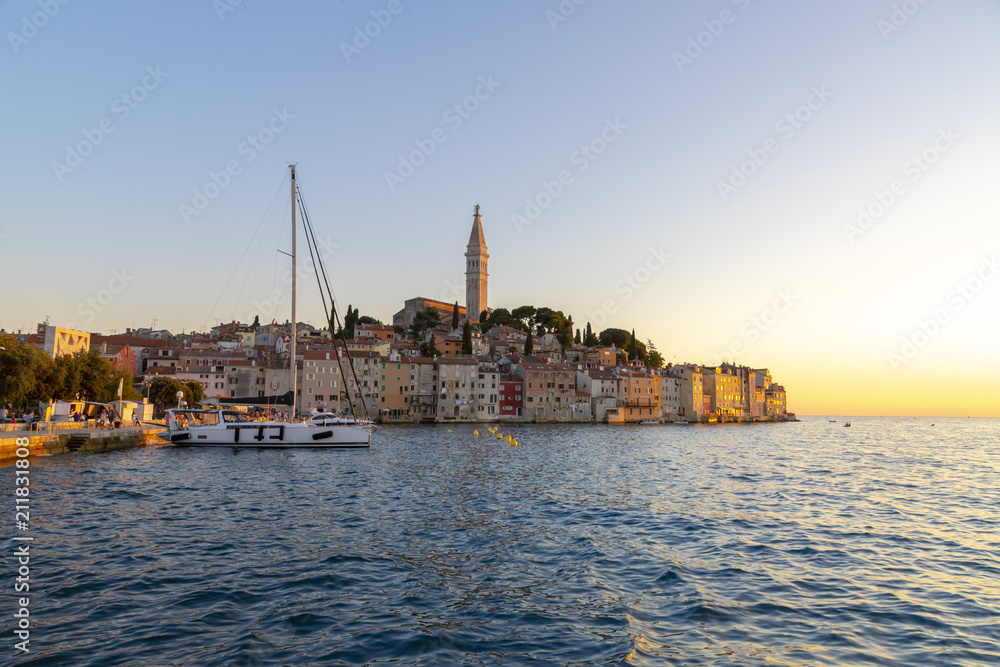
77	440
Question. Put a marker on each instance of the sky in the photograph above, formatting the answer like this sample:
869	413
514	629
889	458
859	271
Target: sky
807	187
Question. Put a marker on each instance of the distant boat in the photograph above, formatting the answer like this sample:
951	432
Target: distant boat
682	422
847	424
648	422
833	421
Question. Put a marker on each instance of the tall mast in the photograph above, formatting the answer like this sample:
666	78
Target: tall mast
295	267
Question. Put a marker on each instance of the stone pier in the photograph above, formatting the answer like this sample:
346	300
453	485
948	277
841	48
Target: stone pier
78	440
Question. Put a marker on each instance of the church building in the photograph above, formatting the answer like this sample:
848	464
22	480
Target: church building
476	276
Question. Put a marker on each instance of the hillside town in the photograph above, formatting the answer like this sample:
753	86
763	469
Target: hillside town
436	362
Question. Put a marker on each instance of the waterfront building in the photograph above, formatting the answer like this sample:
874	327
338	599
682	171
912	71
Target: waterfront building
457	396
776	405
320	382
550	390
603	388
640	397
670	396
694	404
394	388
487	390
476	276
424	388
511	399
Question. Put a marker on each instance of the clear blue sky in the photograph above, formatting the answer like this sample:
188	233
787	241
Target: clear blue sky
851	299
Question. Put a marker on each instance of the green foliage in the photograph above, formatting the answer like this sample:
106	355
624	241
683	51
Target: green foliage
398	330
633	350
529	345
577	338
163	392
499	317
467	338
350	321
367	319
617	337
653	357
428	318
29	375
193	392
454	316
429	349
256	322
525	315
590	338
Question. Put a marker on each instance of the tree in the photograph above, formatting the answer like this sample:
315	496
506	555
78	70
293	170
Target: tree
484	315
429	349
428	318
454	316
590	339
633	350
467	338
525	315
163	392
350	321
256	322
617	337
577	338
653	357
529	345
367	319
398	330
193	392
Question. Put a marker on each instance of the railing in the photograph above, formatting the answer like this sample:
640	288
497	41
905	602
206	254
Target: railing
48	427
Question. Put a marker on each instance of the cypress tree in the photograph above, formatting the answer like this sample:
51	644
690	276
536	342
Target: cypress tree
467	338
454	317
529	345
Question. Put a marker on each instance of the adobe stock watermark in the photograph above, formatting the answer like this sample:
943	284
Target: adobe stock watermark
455	116
913	168
786	127
454	290
899	17
122	107
96	304
704	39
958	298
37	21
629	284
381	18
223	7
581	158
756	326
562	12
248	149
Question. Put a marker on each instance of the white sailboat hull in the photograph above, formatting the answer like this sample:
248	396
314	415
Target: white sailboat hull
270	435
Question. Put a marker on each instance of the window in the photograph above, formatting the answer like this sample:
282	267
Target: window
310	390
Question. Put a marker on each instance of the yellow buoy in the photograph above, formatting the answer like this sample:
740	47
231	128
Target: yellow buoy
499	437
475	433
449	430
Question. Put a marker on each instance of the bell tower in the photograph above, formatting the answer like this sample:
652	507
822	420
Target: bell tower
475	270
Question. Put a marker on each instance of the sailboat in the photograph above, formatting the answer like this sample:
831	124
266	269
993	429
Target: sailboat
218	427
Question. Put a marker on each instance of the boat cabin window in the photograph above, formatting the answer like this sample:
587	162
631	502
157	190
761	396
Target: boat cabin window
233	417
197	417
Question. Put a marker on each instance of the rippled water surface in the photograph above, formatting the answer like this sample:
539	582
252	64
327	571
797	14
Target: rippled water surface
791	544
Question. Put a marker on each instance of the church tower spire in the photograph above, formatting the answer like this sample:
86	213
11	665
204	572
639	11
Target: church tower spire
475	270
